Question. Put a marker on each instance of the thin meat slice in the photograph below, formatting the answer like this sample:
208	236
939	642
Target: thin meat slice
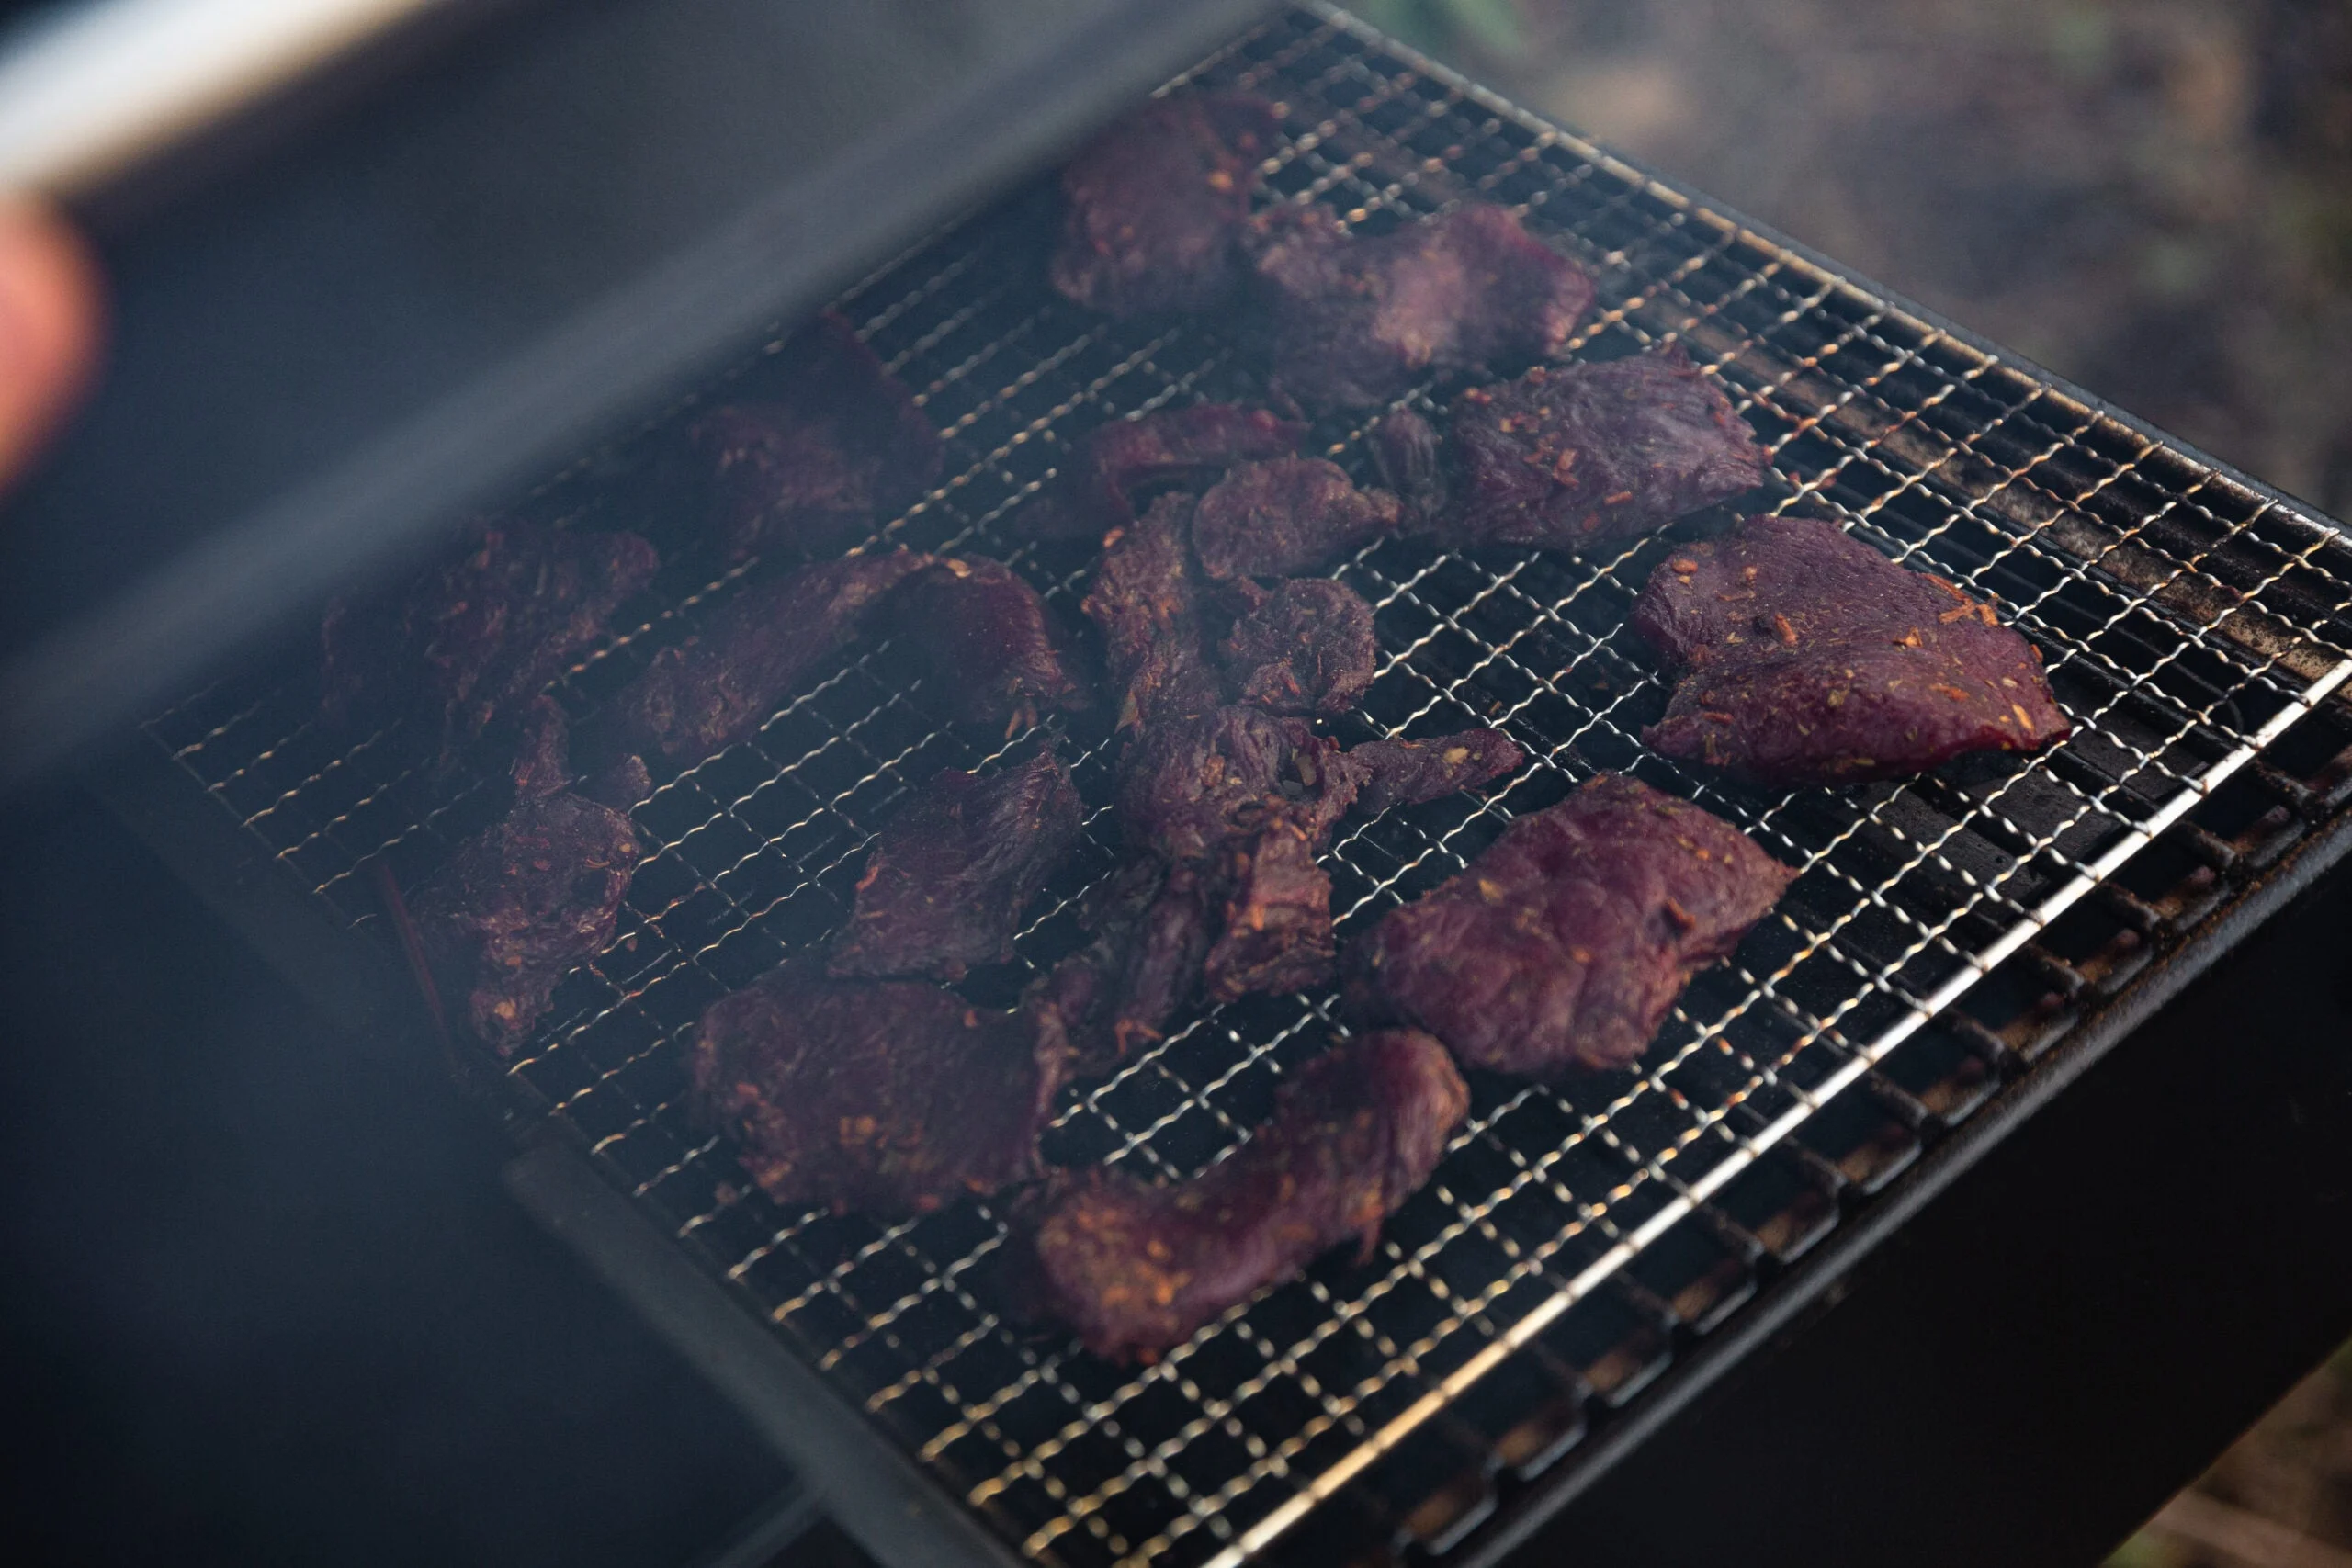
1304	645
530	899
1146	598
1114	469
699	697
977	634
1154	209
1564	945
1285	516
1586	456
1411	772
891	1097
951	873
1809	658
1353	321
1151	925
465	647
1135	1270
839	448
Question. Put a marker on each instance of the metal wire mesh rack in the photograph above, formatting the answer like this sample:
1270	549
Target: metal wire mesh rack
1944	931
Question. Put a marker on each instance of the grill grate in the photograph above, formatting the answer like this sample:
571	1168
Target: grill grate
2187	621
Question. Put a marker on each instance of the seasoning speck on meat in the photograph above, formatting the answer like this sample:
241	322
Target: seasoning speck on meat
1584	456
1411	772
952	871
466	647
892	1097
837	448
1564	945
1114	469
1809	658
1304	645
1145	597
1285	516
1135	1269
702	695
529	899
1354	321
976	632
1154	209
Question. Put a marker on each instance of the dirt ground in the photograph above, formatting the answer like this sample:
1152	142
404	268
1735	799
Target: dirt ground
2152	198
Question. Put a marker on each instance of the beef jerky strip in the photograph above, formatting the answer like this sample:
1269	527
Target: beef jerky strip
467	646
1285	516
1809	658
1353	321
1409	772
1146	598
1135	1270
839	448
1113	468
699	697
977	634
530	899
1586	456
1304	645
1154	209
891	1097
952	871
1564	945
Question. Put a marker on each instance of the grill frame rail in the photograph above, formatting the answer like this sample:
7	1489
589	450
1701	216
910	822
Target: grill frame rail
1549	1372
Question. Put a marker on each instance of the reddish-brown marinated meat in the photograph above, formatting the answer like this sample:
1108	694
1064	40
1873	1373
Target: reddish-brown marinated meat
1353	321
887	1096
840	448
1564	945
1154	209
1192	790
1809	658
1304	645
1409	773
1135	1269
976	633
951	873
1285	516
1115	997
1146	599
702	695
1114	467
529	899
1590	455
467	646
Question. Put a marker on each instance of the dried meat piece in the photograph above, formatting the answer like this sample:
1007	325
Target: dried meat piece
1306	646
1285	516
1145	597
529	899
1277	933
1112	998
1113	468
1409	772
465	647
1592	455
1135	1269
977	634
719	687
1410	456
952	871
1564	945
1154	209
892	1097
841	447
1809	658
1192	790
1353	321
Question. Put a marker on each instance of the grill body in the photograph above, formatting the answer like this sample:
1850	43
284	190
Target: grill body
1954	943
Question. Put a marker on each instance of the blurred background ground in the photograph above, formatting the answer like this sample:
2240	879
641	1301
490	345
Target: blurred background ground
2152	198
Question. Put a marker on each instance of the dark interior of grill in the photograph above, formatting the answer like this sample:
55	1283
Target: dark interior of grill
1944	935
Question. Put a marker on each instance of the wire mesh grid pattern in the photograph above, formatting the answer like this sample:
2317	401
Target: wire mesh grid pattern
2185	621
